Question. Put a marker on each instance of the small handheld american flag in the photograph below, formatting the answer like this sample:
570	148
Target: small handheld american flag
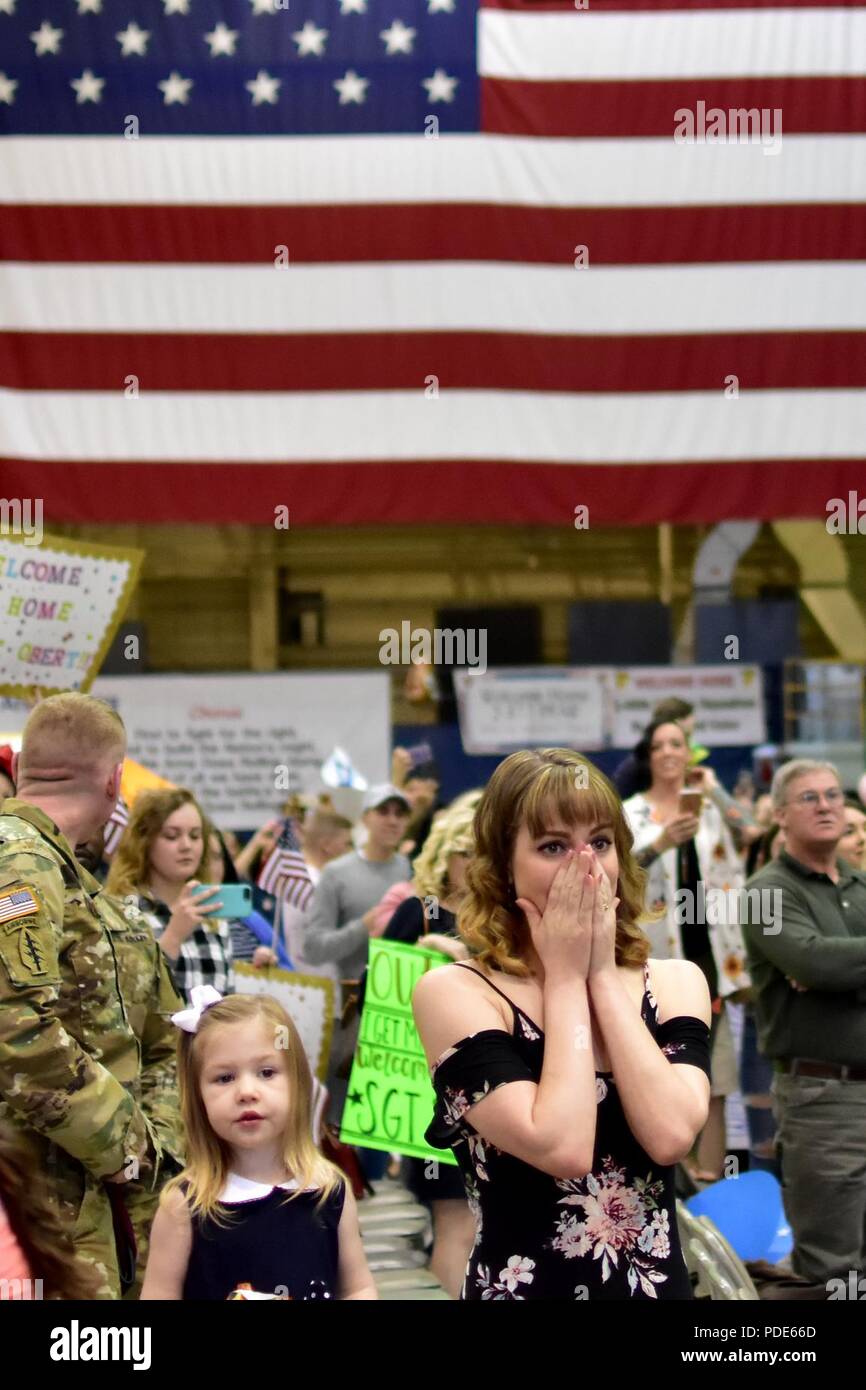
284	874
117	823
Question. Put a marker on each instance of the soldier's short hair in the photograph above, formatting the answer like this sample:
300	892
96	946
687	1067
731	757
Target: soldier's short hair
71	728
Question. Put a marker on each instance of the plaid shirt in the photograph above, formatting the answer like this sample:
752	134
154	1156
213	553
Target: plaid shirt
205	957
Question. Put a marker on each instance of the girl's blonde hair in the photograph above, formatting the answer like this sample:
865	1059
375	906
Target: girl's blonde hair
130	867
541	787
450	833
209	1158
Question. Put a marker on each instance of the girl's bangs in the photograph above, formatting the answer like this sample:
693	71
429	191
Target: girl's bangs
554	799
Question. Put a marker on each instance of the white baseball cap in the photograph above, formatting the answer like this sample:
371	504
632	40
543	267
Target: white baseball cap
382	792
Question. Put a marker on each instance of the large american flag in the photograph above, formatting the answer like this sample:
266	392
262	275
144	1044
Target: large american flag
420	260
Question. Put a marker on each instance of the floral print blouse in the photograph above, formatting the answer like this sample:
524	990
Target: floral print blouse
609	1235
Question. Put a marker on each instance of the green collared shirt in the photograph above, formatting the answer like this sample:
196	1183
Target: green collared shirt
801	925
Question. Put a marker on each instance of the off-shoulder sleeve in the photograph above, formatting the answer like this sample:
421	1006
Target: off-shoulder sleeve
466	1073
685	1039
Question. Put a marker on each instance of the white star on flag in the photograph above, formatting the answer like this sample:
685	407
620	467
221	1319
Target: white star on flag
87	87
434	6
7	6
46	39
310	39
7	88
263	88
89	6
352	88
222	40
133	40
175	88
440	87
176	6
399	38
264	6
353	6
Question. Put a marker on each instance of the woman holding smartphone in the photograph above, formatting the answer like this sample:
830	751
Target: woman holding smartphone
163	856
694	874
571	1071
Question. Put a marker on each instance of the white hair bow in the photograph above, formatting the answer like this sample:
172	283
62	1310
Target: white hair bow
202	998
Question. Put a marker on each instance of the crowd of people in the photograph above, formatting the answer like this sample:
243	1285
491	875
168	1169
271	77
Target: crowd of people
602	935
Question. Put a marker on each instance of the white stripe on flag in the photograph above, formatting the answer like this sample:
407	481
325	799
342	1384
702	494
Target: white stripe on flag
553	427
675	43
502	169
437	296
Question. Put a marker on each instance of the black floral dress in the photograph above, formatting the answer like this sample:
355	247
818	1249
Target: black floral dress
609	1235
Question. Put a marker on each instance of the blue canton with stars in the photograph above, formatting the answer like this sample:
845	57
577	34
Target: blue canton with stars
237	67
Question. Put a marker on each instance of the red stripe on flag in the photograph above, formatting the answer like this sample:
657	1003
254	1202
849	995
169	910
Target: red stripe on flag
469	492
399	361
808	105
434	232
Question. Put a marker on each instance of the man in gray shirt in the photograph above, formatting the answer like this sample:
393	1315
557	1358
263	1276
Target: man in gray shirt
805	932
340	921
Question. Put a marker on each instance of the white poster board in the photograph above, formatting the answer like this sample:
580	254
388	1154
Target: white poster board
307	999
728	701
540	707
242	743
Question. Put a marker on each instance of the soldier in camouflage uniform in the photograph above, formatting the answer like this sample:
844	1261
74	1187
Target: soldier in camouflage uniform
86	1072
150	998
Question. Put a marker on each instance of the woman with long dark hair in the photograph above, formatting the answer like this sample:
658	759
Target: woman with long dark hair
694	875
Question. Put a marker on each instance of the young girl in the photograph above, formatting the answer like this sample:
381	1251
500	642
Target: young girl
257	1205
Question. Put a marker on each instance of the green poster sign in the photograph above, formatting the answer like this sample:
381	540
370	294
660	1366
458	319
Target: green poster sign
390	1100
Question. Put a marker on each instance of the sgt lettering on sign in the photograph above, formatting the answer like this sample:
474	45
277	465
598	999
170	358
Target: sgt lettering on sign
392	977
392	1108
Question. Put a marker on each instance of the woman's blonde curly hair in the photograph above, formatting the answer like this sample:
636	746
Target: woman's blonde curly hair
542	787
450	833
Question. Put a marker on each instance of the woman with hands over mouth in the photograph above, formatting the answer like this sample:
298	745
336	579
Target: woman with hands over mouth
571	1072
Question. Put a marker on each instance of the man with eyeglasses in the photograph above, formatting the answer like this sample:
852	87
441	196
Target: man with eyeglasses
805	933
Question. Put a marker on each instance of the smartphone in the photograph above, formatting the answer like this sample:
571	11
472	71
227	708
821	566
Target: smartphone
236	898
690	803
420	753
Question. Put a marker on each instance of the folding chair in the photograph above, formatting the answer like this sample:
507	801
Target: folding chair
396	1261
689	1230
712	1283
728	1261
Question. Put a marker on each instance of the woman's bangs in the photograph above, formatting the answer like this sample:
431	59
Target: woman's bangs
555	799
